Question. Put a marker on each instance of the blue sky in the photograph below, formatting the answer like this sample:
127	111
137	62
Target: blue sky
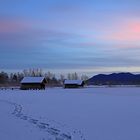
86	36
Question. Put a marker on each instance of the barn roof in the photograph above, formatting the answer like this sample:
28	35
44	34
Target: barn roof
77	82
32	80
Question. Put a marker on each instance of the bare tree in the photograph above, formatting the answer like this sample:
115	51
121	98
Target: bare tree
33	72
72	76
84	77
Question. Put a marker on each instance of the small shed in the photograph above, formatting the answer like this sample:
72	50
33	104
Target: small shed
73	83
33	83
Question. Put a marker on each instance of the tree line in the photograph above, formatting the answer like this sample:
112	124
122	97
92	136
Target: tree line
13	79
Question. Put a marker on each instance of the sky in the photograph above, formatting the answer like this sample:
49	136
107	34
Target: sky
62	36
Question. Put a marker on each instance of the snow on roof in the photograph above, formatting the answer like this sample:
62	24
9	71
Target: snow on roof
32	80
78	82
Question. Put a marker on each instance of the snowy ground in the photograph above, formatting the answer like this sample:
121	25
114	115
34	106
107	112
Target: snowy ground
70	114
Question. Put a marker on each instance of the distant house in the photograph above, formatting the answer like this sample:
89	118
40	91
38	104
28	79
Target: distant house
33	83
73	83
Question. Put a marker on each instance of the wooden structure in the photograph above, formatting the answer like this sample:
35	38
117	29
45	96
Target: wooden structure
73	83
33	83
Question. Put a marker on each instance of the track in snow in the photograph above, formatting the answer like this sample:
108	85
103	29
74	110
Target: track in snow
56	133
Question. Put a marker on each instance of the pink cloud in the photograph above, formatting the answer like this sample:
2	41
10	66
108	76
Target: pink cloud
129	31
13	25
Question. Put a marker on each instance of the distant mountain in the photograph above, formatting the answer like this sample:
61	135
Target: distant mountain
115	79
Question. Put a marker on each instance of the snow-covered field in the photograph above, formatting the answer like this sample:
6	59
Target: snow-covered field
70	114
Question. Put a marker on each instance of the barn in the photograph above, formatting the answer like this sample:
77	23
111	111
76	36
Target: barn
33	83
73	83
